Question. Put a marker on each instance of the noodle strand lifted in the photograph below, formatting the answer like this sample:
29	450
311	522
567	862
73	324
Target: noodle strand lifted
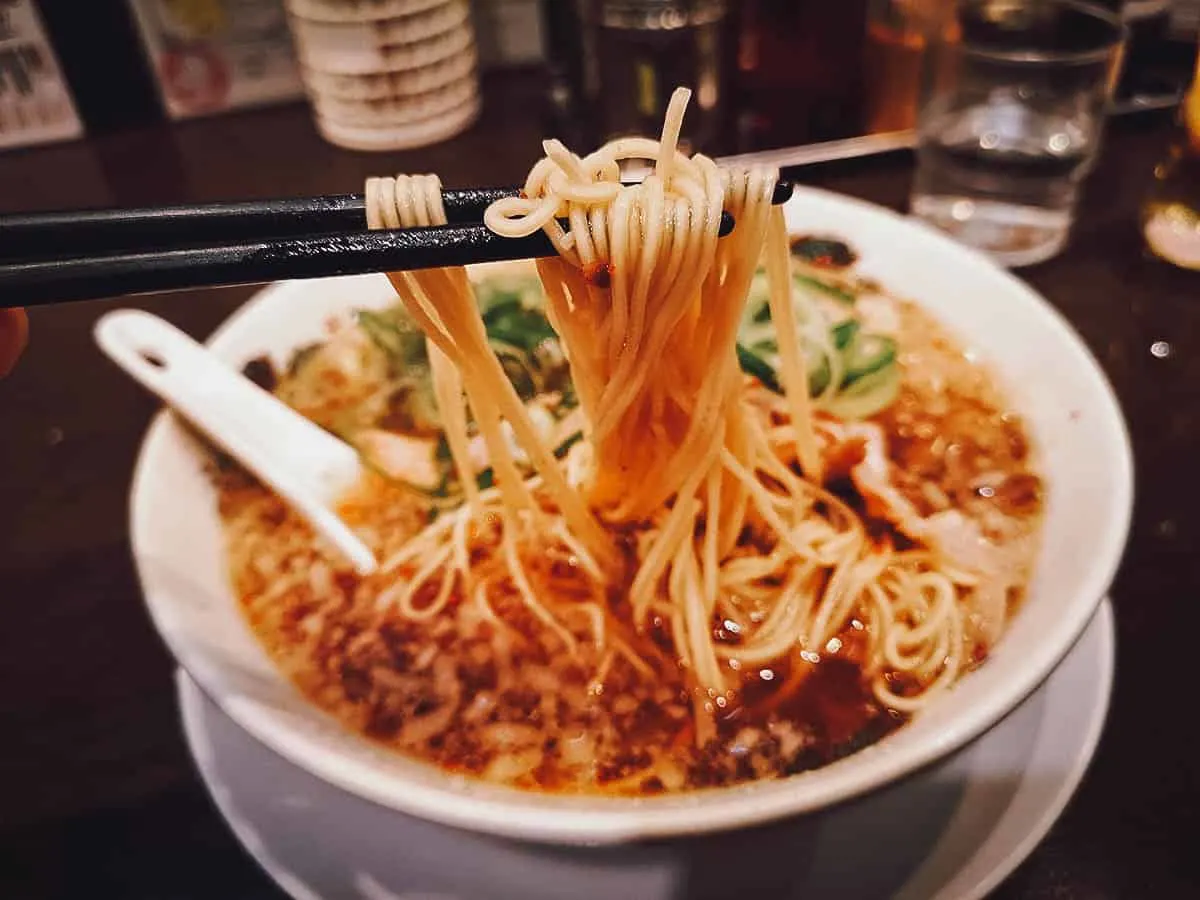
685	498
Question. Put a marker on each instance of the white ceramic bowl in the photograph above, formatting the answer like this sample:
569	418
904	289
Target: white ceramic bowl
951	831
1075	420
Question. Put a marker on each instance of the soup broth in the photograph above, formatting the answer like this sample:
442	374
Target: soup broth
926	450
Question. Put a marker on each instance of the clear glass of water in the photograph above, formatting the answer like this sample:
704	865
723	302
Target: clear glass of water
1014	98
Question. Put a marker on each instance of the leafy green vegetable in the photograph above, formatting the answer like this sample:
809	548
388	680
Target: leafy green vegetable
753	364
527	346
818	375
518	331
498	291
843	333
412	407
824	251
492	297
486	478
831	290
519	369
570	399
393	332
869	377
442	452
570	441
758	306
512	323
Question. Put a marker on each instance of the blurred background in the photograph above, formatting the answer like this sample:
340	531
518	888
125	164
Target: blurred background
767	73
810	80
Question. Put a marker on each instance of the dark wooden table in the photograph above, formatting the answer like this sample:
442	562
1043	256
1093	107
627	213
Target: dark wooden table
98	797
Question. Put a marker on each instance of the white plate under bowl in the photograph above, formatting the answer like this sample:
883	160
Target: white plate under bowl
951	832
1054	381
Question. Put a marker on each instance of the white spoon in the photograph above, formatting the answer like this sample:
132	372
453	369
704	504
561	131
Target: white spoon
305	465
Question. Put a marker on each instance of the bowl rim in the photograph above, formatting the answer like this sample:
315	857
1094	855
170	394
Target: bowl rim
563	819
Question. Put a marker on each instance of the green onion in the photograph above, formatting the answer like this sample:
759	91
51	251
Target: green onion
487	477
754	365
402	346
832	290
843	333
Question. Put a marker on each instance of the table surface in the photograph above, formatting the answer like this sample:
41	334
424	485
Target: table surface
98	797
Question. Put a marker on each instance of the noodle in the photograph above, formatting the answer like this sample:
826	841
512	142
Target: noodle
462	362
665	568
652	354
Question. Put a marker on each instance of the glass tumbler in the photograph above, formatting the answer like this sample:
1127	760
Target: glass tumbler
1010	124
898	34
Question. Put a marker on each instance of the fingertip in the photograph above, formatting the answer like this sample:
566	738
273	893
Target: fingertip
14	335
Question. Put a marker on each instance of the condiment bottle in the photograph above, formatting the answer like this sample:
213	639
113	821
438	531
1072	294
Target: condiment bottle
799	71
1171	214
898	37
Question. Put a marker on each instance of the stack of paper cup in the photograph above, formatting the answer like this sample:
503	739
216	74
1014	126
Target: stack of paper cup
387	74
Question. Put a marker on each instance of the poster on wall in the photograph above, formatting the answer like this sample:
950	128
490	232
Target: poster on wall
36	106
210	56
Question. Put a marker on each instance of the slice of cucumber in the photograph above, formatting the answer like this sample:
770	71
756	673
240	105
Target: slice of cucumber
866	355
818	374
753	364
761	365
844	333
869	395
830	290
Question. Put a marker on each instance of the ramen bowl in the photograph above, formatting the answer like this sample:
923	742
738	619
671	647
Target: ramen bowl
1048	374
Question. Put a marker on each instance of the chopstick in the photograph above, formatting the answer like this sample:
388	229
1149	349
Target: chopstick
47	235
28	237
64	276
249	262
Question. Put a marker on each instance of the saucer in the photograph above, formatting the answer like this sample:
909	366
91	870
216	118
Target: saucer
953	831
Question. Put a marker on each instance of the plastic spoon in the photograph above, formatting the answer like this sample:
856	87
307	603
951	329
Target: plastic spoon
306	466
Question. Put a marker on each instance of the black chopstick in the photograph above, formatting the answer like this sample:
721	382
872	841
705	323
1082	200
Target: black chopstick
51	235
56	235
250	262
65	275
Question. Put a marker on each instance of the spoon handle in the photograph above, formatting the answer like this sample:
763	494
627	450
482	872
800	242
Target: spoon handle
305	465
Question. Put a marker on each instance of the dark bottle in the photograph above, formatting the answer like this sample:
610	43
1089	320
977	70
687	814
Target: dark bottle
570	67
102	59
1150	70
644	49
36	106
799	71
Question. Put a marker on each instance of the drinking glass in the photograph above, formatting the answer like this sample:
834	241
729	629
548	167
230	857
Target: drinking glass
898	34
1014	99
